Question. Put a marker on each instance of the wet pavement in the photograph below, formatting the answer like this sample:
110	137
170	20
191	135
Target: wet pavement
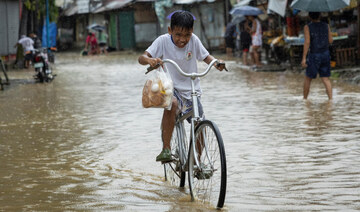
84	142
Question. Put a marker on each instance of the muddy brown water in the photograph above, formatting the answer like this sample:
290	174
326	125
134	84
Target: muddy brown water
84	142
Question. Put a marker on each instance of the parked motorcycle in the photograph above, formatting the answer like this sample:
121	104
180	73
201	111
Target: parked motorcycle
42	66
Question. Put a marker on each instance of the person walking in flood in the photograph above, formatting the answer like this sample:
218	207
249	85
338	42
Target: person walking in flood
92	43
103	36
317	61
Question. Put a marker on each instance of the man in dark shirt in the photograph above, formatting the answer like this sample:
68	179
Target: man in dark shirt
317	60
229	38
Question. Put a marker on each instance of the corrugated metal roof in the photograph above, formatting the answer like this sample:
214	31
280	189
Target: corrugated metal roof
113	5
82	6
72	10
190	1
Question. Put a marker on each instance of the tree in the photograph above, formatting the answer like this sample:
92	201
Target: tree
33	15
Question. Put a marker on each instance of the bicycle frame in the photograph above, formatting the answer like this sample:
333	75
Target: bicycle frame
194	112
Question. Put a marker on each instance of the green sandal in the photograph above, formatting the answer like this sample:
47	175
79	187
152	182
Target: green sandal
164	156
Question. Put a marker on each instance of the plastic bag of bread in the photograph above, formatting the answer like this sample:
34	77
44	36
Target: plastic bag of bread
158	90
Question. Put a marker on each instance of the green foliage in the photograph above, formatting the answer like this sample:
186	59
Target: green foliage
40	8
30	5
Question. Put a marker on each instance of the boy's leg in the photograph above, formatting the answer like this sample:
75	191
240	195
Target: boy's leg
307	83
327	84
324	72
168	122
167	127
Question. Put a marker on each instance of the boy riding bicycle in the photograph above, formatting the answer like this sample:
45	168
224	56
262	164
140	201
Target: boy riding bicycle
185	48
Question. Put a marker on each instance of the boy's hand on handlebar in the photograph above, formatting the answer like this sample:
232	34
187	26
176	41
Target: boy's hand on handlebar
220	65
153	62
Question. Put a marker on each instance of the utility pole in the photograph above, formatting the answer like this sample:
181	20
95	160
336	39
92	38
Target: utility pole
47	24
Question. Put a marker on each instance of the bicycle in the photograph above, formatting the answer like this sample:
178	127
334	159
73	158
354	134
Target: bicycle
204	159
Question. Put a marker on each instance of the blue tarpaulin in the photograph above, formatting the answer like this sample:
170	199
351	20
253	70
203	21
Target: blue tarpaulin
52	35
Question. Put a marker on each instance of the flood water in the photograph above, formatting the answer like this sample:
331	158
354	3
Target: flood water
84	141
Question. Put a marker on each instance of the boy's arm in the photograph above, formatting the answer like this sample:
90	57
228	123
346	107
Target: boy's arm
330	35
146	58
210	58
306	46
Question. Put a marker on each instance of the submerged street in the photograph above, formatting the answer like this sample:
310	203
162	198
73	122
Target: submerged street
84	141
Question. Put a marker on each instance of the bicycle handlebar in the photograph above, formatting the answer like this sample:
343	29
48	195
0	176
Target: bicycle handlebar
192	75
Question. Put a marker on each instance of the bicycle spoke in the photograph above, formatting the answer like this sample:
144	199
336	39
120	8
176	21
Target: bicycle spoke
174	172
208	183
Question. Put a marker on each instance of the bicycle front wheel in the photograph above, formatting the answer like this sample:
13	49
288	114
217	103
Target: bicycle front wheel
174	172
208	182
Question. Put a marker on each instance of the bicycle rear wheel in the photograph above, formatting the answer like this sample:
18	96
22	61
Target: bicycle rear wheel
174	172
208	183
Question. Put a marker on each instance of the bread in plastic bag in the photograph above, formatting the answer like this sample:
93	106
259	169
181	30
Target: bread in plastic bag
158	90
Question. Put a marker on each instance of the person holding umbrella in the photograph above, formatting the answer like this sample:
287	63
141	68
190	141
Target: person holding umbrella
317	60
245	39
251	14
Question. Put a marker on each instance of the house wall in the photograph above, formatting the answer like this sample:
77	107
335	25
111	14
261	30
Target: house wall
212	16
97	18
213	22
81	32
9	26
147	28
145	24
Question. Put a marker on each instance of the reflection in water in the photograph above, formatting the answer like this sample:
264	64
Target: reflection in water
319	117
84	142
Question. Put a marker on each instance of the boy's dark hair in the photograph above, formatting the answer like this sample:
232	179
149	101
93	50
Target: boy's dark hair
182	19
314	15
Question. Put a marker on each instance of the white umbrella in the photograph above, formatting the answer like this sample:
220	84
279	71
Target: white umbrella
96	27
246	10
319	5
237	19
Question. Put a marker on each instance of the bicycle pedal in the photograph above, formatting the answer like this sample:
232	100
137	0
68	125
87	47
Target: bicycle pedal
169	161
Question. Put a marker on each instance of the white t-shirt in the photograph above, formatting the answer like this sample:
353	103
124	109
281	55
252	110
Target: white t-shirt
27	44
164	48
